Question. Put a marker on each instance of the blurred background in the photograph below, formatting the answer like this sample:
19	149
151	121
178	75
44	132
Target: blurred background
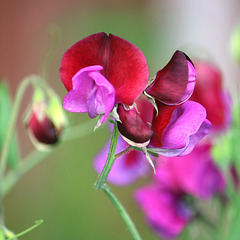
60	190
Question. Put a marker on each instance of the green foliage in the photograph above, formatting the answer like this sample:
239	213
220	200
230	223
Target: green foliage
226	151
5	113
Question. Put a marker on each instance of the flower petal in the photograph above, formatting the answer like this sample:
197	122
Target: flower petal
187	126
127	168
132	127
160	122
174	84
91	93
124	65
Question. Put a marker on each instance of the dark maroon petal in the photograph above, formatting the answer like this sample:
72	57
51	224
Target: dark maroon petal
160	122
42	130
132	126
172	81
124	65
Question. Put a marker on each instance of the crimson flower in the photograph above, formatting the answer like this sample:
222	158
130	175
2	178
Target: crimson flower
100	71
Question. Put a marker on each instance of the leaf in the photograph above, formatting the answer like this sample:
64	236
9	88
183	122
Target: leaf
5	113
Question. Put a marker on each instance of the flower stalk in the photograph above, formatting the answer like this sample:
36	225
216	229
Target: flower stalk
110	159
122	212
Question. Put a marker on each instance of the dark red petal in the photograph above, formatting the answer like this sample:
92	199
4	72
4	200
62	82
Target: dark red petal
208	92
124	64
171	82
43	131
132	126
160	122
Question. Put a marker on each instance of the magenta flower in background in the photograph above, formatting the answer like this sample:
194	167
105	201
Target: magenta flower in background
100	71
164	202
166	212
210	92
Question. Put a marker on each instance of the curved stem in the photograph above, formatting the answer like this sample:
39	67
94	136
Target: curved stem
122	212
110	159
11	126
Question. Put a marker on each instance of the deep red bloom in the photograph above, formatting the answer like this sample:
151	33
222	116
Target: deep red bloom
124	65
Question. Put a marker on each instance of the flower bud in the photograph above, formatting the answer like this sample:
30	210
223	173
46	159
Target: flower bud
46	119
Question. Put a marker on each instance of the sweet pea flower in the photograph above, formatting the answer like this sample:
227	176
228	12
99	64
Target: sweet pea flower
167	213
100	71
209	92
177	124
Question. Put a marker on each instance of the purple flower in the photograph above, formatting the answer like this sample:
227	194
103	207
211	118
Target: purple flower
167	213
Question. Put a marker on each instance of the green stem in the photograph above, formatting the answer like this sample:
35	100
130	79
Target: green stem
122	212
37	223
110	159
5	150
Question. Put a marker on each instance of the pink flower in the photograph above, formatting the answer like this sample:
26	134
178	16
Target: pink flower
167	213
100	71
210	92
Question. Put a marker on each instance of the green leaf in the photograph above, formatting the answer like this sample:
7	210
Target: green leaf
5	113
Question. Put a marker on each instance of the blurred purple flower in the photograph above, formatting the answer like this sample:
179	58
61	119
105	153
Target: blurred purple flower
164	203
166	212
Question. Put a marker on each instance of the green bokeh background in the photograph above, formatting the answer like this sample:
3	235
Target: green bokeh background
60	190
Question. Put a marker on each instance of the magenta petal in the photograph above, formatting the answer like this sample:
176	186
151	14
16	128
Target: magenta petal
187	126
127	168
91	93
174	84
165	212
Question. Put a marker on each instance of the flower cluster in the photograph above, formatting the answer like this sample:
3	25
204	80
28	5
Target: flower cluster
106	75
